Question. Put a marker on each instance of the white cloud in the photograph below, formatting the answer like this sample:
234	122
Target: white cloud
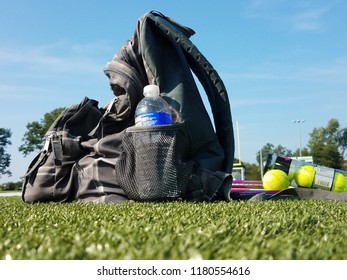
20	92
334	72
268	85
309	20
52	73
265	9
60	57
289	15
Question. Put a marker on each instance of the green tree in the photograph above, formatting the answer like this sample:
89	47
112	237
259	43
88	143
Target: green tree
304	152
252	171
36	131
5	158
328	145
342	142
11	186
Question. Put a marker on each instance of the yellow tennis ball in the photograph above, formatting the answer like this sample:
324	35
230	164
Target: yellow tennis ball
275	179
305	176
339	183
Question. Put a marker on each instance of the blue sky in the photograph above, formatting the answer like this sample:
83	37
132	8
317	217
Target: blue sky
279	59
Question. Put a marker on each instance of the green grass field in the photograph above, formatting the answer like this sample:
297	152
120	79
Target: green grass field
264	230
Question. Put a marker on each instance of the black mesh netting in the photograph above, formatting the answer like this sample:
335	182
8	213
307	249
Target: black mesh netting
152	166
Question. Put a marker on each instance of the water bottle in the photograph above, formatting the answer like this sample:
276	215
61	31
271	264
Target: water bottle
309	175
152	110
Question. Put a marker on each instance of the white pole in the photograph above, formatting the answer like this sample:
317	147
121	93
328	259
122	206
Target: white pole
261	163
299	122
238	141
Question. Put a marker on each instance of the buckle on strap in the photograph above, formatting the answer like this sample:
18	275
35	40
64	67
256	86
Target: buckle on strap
57	148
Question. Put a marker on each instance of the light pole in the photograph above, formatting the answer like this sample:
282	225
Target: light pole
299	122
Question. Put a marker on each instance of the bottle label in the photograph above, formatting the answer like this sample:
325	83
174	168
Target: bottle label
153	119
324	177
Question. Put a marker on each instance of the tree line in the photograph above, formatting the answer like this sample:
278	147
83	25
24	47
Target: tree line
327	145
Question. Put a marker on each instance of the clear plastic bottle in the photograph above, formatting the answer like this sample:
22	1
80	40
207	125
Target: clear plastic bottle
309	175
152	110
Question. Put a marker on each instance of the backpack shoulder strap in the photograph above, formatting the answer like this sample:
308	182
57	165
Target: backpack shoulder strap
209	79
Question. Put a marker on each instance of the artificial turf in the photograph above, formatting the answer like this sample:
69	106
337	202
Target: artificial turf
240	230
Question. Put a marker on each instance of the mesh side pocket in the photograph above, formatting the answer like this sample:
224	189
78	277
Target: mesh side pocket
152	167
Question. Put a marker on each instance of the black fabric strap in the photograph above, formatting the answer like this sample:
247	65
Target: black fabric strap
209	79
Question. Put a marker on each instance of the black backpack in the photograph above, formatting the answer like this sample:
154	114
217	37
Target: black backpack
189	160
